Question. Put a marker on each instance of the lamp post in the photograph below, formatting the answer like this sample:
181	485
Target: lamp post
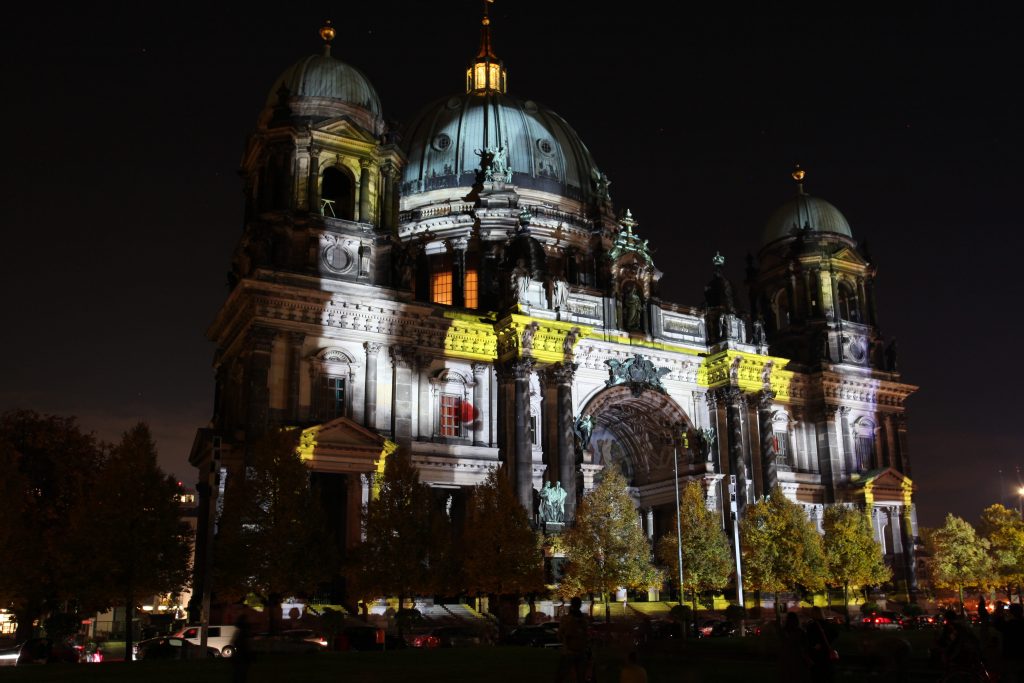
679	517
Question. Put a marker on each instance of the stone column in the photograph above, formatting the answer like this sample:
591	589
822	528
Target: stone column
890	441
848	446
295	340
480	402
387	201
902	457
795	309
313	191
862	301
907	538
650	524
364	190
562	375
830	450
458	254
769	470
257	375
424	427
401	395
370	386
514	427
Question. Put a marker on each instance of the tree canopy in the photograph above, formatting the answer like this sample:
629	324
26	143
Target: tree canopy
707	557
396	558
1003	528
781	548
852	556
272	541
606	548
959	556
49	470
502	552
144	547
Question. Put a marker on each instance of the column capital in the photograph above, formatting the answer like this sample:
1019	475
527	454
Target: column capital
371	348
402	356
479	369
765	399
366	164
518	369
261	338
561	373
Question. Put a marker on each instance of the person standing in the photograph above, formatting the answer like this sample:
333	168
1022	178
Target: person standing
242	657
820	636
574	666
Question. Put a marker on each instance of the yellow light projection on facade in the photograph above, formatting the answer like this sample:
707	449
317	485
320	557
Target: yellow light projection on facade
750	372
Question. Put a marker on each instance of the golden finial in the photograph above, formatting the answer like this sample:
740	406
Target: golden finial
798	174
327	31
487	19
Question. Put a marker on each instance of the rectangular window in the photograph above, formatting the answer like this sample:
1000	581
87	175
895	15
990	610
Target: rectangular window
780	443
472	299
441	287
451	416
332	397
533	429
864	446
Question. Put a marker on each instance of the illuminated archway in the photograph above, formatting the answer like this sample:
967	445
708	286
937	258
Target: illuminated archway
635	432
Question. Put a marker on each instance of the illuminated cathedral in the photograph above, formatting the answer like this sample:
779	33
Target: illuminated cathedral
464	288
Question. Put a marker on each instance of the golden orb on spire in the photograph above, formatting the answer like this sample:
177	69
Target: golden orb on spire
327	31
798	174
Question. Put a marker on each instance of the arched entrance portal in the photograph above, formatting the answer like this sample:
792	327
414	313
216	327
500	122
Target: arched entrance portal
637	432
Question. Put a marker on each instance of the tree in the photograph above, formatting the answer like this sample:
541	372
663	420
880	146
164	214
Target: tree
780	547
707	558
272	541
606	548
502	552
852	556
396	558
144	544
959	557
1004	530
49	467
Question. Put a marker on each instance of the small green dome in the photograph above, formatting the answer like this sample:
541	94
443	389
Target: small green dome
325	83
805	211
542	151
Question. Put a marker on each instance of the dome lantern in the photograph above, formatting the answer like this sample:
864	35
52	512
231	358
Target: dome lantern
486	73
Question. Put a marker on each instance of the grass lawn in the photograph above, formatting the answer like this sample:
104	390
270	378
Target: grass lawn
695	661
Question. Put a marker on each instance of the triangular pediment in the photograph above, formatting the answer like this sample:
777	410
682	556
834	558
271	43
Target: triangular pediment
342	445
884	484
343	126
849	255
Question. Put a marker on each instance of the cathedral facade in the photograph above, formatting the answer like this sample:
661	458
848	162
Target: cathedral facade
468	292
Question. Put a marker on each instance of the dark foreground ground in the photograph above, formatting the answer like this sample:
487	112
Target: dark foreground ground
872	656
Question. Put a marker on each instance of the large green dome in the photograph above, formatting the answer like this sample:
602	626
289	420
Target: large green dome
542	151
805	212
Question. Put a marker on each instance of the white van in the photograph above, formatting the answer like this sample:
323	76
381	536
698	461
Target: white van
219	637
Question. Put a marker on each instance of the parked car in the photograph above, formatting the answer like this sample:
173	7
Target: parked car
446	636
366	638
306	634
284	643
885	621
38	651
533	636
923	621
219	636
171	647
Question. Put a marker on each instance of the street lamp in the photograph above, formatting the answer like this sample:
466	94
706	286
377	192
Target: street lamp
1020	501
679	517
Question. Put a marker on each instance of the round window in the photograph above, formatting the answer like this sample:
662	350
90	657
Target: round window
442	142
336	258
546	147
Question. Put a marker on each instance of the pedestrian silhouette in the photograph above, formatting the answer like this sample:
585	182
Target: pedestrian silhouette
242	657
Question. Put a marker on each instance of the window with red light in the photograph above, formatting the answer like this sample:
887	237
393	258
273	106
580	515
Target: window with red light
451	416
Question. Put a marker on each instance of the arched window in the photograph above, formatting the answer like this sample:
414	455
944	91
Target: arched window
780	306
332	371
848	305
864	444
337	194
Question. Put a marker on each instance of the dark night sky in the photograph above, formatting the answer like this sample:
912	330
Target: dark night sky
124	128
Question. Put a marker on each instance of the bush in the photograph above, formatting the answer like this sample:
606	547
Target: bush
681	614
869	607
735	613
